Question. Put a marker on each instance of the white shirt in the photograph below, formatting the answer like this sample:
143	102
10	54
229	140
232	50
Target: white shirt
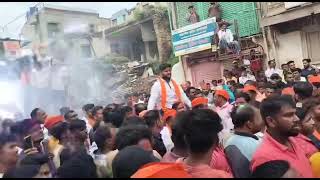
243	80
270	71
225	114
226	35
155	96
166	138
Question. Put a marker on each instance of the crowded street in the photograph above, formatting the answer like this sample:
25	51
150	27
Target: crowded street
160	90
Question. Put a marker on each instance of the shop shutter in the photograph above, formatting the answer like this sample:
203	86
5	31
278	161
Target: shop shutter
206	71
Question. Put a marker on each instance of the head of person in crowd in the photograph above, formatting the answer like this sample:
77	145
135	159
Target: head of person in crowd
32	166
191	92
198	93
296	74
165	71
39	115
289	78
279	114
16	131
169	117
64	110
200	128
97	113
276	79
133	120
251	90
103	138
261	87
126	111
306	121
292	65
200	103
232	85
79	165
272	64
129	160
6	125
114	118
303	91
247	118
70	116
313	106
306	63
179	107
32	127
242	98
275	169
139	108
87	110
285	67
270	89
59	129
153	121
134	135
78	132
221	97
214	83
8	152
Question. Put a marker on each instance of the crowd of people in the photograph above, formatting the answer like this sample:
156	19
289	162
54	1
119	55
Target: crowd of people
244	125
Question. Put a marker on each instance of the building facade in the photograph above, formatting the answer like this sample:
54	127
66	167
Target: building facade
207	65
48	24
292	31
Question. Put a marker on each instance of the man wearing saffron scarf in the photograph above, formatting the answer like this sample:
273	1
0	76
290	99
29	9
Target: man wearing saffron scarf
165	91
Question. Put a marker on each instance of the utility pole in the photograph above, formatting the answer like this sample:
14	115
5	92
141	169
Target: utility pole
38	26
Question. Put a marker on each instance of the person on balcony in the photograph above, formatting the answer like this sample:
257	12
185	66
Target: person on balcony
226	41
215	11
192	16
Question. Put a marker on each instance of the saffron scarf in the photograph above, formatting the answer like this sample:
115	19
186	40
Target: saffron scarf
164	93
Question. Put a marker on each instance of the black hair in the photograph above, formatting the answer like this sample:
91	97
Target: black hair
200	128
27	124
115	118
272	106
151	118
87	107
131	135
188	90
178	135
126	109
303	89
301	113
286	74
244	95
270	86
133	120
6	138
190	7
175	105
164	66
296	69
129	160
269	62
242	114
271	169
308	60
79	165
284	64
33	113
96	109
77	124
59	129
64	110
35	159
311	103
23	171
67	114
139	108
290	62
101	134
275	76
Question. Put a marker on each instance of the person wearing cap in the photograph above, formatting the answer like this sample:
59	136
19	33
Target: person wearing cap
224	109
200	103
272	69
166	132
166	91
253	93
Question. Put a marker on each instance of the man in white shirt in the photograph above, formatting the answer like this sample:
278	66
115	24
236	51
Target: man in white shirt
165	91
245	76
226	39
273	70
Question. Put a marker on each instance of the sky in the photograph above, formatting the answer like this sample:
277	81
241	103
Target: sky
9	11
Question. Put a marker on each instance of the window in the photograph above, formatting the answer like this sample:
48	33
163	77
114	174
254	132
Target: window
53	30
86	51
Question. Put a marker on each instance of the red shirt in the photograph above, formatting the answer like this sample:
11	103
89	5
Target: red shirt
307	145
219	161
270	150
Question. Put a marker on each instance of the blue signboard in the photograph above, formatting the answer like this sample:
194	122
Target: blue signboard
193	38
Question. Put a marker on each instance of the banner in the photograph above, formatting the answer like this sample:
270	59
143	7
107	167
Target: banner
11	48
193	38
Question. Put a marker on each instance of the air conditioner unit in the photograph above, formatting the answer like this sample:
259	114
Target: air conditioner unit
289	5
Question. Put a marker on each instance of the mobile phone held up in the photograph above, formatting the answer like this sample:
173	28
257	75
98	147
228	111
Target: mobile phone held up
28	143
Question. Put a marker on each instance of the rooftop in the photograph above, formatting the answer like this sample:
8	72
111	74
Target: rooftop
64	8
